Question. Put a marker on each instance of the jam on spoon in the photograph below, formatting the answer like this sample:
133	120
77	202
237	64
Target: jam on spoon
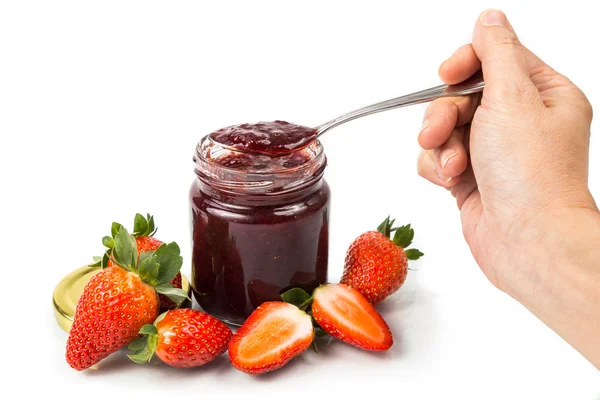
272	139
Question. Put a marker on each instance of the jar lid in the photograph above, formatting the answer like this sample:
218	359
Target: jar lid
69	289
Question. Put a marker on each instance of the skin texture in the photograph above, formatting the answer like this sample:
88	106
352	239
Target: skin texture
516	160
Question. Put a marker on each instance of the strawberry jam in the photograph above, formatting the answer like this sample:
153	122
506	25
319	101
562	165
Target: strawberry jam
259	226
268	138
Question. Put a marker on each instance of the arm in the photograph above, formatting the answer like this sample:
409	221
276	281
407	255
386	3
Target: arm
565	290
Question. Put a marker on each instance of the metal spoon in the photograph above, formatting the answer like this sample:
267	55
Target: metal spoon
472	85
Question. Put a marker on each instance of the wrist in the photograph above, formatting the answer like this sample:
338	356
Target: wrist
561	284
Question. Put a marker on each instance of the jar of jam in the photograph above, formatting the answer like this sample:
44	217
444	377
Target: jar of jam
259	226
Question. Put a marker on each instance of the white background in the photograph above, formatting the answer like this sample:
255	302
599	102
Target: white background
102	103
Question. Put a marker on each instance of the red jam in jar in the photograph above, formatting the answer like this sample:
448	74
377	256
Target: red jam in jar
259	226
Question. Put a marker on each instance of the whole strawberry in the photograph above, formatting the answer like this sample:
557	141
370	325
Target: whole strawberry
143	230
182	338
376	265
121	299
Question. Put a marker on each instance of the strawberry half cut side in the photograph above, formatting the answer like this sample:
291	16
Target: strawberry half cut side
344	313
274	333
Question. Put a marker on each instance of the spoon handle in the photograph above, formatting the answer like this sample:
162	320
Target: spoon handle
472	85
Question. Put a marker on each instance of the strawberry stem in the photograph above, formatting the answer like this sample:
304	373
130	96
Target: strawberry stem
403	237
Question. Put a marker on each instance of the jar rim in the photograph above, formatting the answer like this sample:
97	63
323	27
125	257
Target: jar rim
206	140
258	181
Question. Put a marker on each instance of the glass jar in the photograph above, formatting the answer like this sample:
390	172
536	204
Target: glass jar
259	227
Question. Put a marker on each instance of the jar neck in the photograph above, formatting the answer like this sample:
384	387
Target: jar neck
267	199
265	180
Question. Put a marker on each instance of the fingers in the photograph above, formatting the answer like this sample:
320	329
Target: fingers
463	189
460	66
442	116
444	165
428	170
505	62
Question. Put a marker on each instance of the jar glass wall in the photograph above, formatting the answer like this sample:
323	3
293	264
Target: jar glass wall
259	227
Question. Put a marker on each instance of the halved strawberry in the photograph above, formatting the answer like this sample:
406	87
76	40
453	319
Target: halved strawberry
272	335
346	314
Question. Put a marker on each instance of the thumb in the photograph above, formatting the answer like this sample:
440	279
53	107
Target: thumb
504	61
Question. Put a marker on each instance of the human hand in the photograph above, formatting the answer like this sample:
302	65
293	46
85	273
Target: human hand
516	158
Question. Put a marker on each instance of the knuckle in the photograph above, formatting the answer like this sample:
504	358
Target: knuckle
509	39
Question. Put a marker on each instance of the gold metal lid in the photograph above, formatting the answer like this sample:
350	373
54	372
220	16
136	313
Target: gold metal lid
69	289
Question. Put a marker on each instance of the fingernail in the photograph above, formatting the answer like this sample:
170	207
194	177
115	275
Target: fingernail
446	156
493	18
425	125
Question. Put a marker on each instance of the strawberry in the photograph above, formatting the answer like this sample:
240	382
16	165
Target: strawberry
182	338
344	313
119	300
143	230
376	265
272	335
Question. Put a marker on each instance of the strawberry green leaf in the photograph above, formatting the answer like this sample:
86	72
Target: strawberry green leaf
137	344
148	329
175	294
151	228
404	236
144	347
169	260
125	250
146	254
148	270
413	254
143	355
105	259
386	227
114	229
295	296
140	225
381	227
108	242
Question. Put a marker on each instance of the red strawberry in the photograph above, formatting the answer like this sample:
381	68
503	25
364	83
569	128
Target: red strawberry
182	338
346	314
119	300
272	335
143	228
376	265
